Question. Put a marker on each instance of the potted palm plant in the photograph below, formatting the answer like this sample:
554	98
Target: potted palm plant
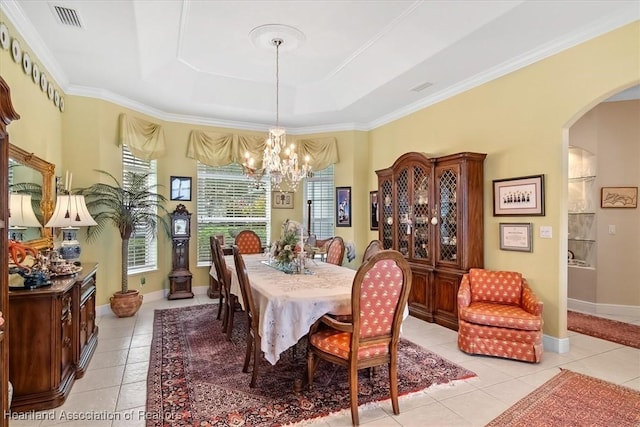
132	205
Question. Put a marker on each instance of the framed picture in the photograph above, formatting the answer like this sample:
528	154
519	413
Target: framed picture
343	206
282	200
516	237
180	188
522	196
619	197
373	214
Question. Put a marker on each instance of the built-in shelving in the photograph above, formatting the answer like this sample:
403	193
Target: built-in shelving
582	200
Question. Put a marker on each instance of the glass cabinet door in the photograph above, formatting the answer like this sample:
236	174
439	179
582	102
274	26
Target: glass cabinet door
403	214
448	215
420	213
386	213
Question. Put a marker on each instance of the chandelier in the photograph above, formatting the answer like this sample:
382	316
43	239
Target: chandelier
279	160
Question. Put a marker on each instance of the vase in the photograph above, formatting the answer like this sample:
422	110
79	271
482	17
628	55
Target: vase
126	304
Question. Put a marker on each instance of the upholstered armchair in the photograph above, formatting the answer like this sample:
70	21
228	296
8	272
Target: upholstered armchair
499	315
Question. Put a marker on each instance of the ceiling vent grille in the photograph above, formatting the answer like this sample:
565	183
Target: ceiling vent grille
421	87
68	16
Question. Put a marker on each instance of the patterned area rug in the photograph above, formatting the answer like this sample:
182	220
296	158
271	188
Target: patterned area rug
606	329
574	400
195	376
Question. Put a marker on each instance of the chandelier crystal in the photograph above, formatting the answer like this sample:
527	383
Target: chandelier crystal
279	160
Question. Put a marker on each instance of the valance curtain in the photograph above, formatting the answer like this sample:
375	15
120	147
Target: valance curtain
220	149
211	148
144	139
321	151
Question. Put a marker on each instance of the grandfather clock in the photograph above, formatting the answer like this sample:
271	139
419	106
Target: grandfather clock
180	276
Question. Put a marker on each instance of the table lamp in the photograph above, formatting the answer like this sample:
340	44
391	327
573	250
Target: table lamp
21	216
70	213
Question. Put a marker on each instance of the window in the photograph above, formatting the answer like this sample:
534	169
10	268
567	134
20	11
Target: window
320	190
143	246
227	202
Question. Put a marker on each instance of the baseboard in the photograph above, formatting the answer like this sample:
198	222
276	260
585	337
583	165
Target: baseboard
555	345
102	310
595	308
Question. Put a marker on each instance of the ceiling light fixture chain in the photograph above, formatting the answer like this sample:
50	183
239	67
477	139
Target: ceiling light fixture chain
279	160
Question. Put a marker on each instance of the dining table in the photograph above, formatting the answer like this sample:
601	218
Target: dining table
289	304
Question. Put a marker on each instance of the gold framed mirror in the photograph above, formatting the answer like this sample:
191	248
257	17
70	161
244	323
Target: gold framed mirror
46	170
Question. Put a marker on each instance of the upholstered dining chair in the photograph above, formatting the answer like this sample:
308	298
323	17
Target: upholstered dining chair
335	251
248	242
230	300
253	317
373	248
378	296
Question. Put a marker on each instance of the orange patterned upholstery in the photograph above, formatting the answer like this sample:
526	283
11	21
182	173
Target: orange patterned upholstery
499	315
335	251
370	338
248	242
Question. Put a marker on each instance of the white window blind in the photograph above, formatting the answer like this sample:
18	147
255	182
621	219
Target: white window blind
143	246
320	190
227	202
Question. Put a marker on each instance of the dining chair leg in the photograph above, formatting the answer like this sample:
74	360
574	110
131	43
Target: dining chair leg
231	310
220	302
247	355
256	361
312	363
393	385
353	394
225	316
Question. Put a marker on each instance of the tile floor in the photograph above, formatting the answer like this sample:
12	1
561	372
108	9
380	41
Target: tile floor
115	382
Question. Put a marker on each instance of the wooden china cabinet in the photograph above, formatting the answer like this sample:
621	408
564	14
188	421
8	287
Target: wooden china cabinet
431	210
7	115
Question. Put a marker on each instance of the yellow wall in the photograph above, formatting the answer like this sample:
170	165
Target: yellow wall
519	120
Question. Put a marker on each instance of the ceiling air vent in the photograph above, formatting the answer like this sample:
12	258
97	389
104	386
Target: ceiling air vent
422	87
68	16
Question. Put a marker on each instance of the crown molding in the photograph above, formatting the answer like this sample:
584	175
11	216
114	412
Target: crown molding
33	39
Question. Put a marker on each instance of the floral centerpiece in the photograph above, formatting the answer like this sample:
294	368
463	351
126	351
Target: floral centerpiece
285	249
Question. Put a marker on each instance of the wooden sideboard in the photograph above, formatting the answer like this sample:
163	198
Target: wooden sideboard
53	337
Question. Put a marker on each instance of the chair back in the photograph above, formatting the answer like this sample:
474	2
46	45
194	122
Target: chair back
378	297
245	288
373	248
214	253
248	242
221	266
335	251
504	287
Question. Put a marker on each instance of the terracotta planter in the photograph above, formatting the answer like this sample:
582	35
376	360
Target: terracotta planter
127	304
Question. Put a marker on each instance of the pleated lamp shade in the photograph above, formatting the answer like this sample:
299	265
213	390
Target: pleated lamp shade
71	211
21	211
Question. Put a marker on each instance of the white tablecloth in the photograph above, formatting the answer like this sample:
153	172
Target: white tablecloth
290	303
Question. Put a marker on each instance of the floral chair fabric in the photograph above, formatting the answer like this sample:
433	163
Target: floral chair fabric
335	251
499	315
370	337
248	242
